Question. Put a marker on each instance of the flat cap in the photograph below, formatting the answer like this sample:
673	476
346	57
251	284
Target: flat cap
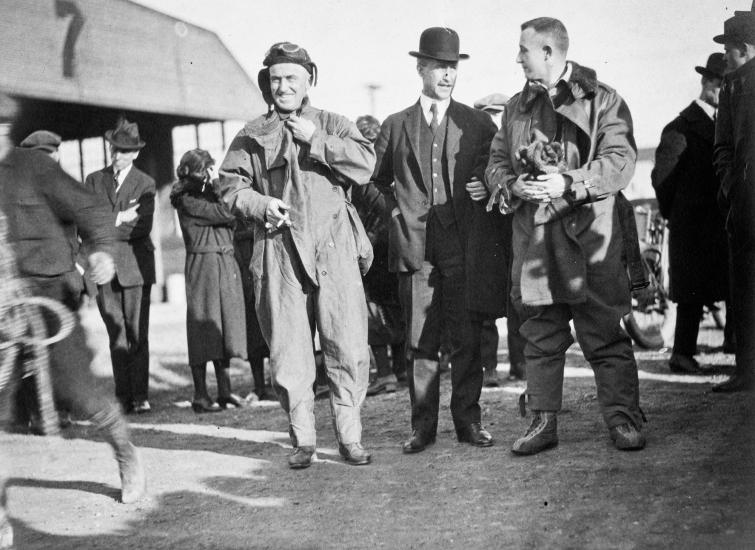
493	103
43	140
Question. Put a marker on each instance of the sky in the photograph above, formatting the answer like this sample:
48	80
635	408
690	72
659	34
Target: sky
646	49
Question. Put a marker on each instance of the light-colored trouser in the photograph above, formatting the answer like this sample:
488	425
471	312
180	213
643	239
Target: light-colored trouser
289	309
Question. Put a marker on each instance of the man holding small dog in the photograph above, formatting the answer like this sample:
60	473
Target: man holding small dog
569	231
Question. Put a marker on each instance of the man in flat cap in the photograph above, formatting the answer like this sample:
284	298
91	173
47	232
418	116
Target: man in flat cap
39	202
431	158
734	157
290	173
563	154
686	186
124	302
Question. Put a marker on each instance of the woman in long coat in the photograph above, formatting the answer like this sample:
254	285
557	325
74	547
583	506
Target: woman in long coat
215	323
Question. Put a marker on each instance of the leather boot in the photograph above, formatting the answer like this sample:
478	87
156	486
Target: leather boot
354	454
301	457
542	434
223	376
115	431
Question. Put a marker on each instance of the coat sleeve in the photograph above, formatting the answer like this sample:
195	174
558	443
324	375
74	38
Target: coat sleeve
500	174
141	227
723	153
77	204
235	185
344	150
489	131
612	165
382	176
664	175
205	212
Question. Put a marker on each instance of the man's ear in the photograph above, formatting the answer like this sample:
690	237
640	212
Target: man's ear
548	51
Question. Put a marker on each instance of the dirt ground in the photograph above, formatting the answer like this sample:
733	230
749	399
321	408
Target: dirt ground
221	481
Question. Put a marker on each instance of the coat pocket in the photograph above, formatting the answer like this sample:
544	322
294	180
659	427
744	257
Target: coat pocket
362	242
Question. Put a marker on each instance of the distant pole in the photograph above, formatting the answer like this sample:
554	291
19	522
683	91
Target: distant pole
371	91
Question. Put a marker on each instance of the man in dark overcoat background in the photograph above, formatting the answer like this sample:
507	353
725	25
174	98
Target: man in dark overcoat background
686	185
734	158
431	158
124	302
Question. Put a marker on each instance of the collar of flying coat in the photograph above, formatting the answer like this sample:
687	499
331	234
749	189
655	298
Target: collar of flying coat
582	87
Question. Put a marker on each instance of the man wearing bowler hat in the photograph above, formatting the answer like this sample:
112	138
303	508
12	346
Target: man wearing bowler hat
686	186
734	157
431	159
124	302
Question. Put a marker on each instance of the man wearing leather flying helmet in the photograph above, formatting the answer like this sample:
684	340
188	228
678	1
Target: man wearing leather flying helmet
290	172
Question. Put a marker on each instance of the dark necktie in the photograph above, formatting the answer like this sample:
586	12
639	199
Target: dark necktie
434	121
115	181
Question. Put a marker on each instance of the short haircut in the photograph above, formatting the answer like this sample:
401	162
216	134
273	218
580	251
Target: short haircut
552	27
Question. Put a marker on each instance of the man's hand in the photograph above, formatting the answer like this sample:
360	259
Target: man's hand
101	267
128	215
276	215
302	128
554	184
476	189
529	190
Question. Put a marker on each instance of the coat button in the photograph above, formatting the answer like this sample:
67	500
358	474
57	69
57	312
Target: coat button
335	188
335	216
323	272
331	244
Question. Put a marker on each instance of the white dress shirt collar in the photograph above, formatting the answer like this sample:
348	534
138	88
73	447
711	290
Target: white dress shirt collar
709	110
425	102
121	176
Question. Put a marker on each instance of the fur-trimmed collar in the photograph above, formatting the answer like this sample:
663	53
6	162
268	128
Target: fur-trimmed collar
583	83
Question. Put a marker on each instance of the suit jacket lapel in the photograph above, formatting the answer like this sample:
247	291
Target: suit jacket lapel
453	139
108	182
411	127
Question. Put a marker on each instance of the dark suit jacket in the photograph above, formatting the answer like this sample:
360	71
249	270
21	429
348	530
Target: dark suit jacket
43	204
686	185
468	137
134	251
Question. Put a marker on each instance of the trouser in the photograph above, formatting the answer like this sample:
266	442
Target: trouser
125	311
289	308
742	248
604	343
515	341
488	344
433	301
687	328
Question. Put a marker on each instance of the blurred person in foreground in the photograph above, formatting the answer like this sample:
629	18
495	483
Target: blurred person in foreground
686	186
27	407
215	318
124	302
431	158
489	287
734	157
290	172
385	322
39	202
563	154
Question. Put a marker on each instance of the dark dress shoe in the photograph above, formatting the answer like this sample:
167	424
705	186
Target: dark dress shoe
232	400
475	435
683	364
417	442
301	458
205	405
354	454
737	382
141	407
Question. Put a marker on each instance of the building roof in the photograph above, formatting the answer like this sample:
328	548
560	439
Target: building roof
121	55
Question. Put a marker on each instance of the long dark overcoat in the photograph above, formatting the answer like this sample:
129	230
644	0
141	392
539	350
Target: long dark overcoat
686	185
215	316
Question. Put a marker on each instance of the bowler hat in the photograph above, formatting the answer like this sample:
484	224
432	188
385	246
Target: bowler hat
715	66
492	103
740	28
125	136
43	140
439	43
